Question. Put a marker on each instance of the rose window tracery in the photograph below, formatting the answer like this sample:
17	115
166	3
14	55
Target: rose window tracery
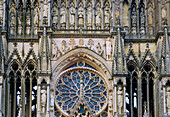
80	81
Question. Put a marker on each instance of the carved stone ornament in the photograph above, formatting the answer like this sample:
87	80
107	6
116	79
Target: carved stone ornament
72	15
43	99
120	98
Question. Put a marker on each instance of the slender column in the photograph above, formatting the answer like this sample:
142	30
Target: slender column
59	17
49	13
102	18
38	100
30	98
121	12
146	19
148	94
94	17
48	100
138	24
4	15
32	20
130	21
67	24
159	15
164	100
4	96
139	95
1	96
131	98
16	20
23	95
115	99
113	14
24	18
76	18
8	97
15	97
85	19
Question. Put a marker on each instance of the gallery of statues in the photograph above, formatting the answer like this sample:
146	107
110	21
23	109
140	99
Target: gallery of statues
85	58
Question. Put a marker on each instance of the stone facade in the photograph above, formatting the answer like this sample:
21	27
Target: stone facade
84	58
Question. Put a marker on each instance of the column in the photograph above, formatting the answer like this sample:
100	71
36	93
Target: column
30	97
121	12
130	21
24	18
48	101
138	24
76	16
4	17
164	100
85	19
15	97
113	14
67	22
16	20
102	18
8	96
49	13
94	17
59	17
159	15
131	98
115	100
139	95
39	100
1	79
23	94
148	94
32	19
41	12
4	96
146	19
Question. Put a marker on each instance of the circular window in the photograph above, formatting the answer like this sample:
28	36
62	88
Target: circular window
76	80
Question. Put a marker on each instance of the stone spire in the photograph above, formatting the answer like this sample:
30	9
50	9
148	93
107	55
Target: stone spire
119	60
44	55
166	50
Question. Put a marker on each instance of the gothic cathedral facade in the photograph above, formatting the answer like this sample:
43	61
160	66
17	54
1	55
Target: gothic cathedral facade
84	58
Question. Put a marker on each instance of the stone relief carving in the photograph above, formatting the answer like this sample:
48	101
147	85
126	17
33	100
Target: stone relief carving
90	43
63	16
72	15
98	16
43	98
89	16
99	49
120	98
64	46
72	43
12	19
36	19
81	14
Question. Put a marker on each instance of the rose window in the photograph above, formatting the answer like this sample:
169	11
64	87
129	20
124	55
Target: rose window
80	82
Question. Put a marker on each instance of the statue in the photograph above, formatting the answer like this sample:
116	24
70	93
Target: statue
168	100
36	16
55	17
98	16
89	16
28	22
107	14
43	98
19	23
164	13
72	15
12	21
150	18
134	17
80	14
142	21
99	48
63	47
63	16
120	99
45	9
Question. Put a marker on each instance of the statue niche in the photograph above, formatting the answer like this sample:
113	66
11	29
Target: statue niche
63	16
107	16
43	99
36	19
89	16
12	19
142	21
72	16
80	15
134	20
120	99
28	22
54	16
98	16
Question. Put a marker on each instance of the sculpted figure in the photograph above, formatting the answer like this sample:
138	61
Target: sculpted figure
55	16
63	16
142	17
107	14
72	15
164	13
120	98
80	14
168	100
98	16
108	48
134	17
12	15
45	9
150	18
43	98
36	16
89	16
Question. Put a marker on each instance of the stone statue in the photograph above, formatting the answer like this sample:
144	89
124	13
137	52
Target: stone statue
120	98
63	16
81	14
43	98
142	17
89	16
55	17
72	15
45	9
19	23
12	18
52	99
107	15
134	17
36	16
99	48
98	16
150	18
164	13
28	18
63	47
168	100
